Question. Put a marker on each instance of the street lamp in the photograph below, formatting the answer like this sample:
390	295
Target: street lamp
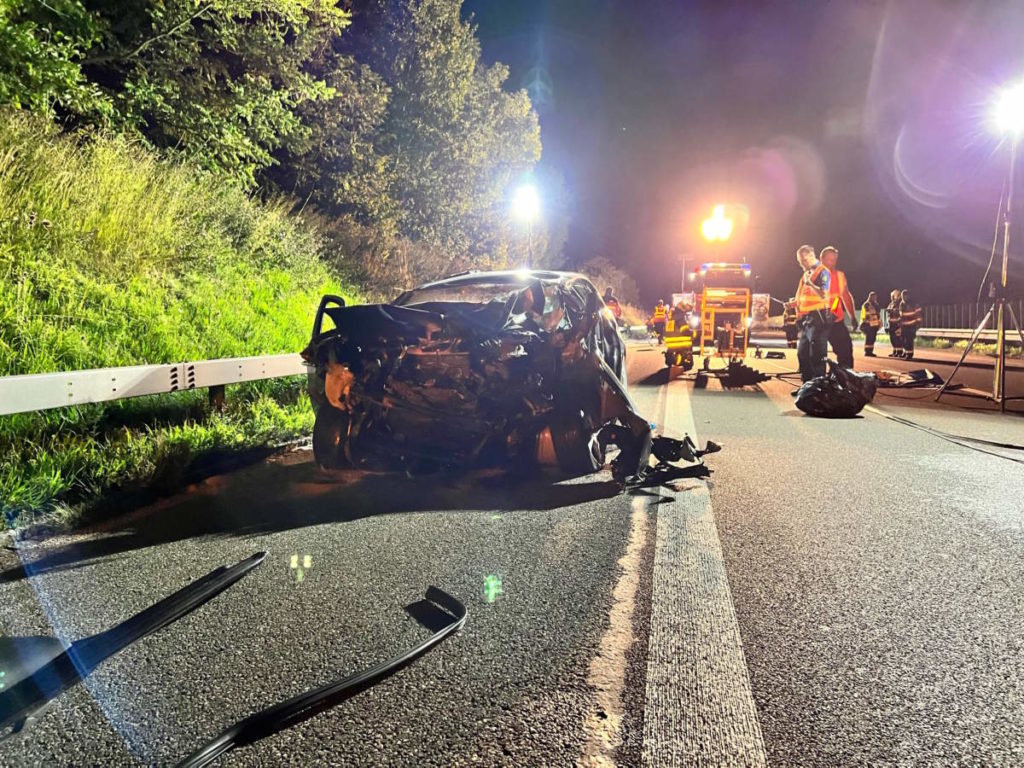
1009	120
526	207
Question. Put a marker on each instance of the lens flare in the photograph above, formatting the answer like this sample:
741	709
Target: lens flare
1009	111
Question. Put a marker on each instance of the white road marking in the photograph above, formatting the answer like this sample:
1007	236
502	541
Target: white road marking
607	675
699	704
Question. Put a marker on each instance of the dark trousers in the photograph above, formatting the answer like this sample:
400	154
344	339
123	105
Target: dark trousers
870	334
908	334
842	344
812	347
895	339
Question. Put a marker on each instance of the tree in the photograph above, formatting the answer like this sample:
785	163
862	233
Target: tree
604	273
452	139
220	81
41	48
381	114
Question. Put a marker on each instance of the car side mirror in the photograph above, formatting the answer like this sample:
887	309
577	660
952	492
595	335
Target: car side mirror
325	302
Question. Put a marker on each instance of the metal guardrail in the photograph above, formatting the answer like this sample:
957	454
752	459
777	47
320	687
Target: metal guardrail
43	391
955	334
960	316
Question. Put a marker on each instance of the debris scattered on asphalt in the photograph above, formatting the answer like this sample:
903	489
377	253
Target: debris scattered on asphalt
438	611
922	377
668	452
38	669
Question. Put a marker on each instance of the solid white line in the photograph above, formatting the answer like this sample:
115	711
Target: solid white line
699	704
607	677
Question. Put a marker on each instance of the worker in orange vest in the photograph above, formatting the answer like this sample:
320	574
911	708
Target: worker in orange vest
910	321
813	314
658	320
870	322
841	305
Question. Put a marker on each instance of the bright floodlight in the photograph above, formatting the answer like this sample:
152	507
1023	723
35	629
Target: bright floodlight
718	227
1010	110
526	203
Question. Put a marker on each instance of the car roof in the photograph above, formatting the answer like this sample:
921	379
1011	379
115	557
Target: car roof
509	277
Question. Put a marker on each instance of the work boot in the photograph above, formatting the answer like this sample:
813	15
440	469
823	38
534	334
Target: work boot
795	392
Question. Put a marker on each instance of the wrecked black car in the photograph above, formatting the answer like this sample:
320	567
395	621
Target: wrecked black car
519	369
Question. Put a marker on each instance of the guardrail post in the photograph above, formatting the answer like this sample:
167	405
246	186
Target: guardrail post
217	397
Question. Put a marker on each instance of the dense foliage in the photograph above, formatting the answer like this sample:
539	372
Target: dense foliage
376	112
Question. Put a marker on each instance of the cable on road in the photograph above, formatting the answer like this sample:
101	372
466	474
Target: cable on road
964	441
973	443
930	393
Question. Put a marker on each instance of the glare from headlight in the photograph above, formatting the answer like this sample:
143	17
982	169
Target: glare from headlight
694	321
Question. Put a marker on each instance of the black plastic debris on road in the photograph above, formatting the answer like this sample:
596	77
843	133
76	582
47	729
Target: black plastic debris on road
439	611
840	394
38	669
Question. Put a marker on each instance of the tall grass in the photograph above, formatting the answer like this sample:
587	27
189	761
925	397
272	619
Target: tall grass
111	256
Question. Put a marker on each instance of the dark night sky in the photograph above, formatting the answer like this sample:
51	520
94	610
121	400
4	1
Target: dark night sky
861	124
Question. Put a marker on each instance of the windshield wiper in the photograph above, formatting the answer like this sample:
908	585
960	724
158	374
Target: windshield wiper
38	669
306	705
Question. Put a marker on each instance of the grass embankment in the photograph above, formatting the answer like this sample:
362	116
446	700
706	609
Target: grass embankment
110	256
978	349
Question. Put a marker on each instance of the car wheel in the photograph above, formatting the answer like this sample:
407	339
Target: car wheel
576	447
330	430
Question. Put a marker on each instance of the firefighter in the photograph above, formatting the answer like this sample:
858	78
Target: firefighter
789	323
870	322
910	321
613	304
892	315
813	315
842	306
658	320
680	317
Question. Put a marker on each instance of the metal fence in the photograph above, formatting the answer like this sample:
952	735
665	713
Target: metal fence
966	316
43	391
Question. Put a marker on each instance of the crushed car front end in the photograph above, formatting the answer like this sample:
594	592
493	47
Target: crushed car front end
480	370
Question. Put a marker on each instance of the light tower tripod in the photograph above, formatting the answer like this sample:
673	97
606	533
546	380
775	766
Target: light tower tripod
1000	308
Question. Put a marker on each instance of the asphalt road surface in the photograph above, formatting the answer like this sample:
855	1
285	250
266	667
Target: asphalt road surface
838	593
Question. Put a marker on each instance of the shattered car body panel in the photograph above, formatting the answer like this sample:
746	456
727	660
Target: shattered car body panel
481	369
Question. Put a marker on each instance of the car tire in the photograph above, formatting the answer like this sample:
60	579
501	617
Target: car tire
576	447
330	430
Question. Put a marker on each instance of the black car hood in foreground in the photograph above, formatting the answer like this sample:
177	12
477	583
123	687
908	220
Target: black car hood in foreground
532	376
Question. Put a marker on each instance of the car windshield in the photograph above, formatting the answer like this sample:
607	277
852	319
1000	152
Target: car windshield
469	293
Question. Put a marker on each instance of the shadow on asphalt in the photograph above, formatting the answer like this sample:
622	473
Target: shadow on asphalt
273	497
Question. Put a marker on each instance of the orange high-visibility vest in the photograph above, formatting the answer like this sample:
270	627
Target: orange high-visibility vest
659	314
807	300
837	287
